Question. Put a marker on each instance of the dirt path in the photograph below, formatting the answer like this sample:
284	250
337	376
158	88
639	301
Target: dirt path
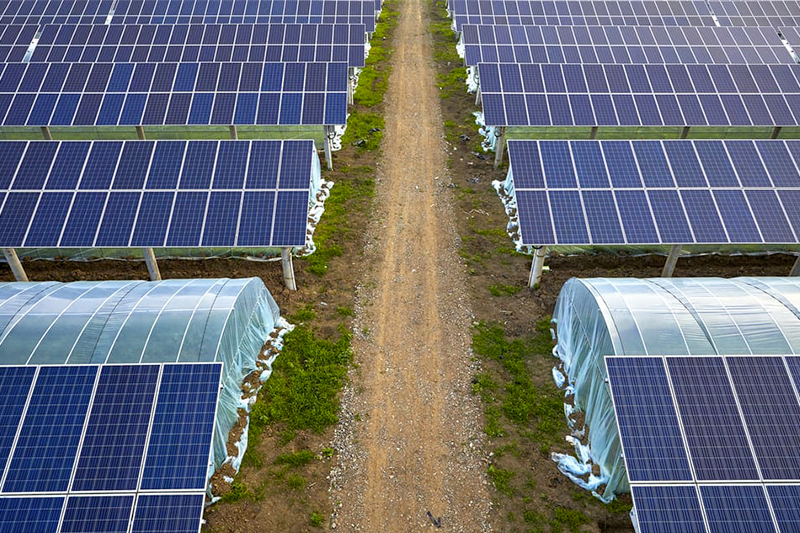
419	446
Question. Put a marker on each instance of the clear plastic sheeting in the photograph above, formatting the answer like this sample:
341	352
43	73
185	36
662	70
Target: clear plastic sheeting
106	322
594	318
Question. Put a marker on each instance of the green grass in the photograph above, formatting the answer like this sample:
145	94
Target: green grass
572	519
501	479
237	493
335	225
316	519
500	289
302	392
295	459
364	129
304	314
296	482
345	311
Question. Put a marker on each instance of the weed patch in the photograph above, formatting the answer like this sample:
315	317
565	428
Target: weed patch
295	459
500	289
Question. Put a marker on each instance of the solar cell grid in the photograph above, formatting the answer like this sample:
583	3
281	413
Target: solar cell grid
631	94
667	192
55	11
582	12
668	509
648	425
736	509
241	11
156	193
774	13
171	93
197	43
605	44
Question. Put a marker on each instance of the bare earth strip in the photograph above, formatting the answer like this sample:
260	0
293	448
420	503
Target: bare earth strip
410	438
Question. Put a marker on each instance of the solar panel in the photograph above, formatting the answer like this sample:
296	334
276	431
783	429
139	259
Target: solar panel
736	509
668	509
639	95
94	454
242	11
157	193
648	425
622	45
774	13
105	94
656	192
190	43
582	12
55	11
784	500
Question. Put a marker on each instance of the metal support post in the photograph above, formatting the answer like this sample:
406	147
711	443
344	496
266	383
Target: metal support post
775	132
351	75
478	96
288	269
234	132
593	133
795	268
537	266
15	264
500	146
328	146
46	133
152	264
685	132
140	133
672	260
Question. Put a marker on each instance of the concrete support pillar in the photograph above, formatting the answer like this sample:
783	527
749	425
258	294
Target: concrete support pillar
536	268
234	132
672	260
140	133
795	268
152	264
46	133
15	264
288	269
478	96
685	132
329	146
500	146
351	76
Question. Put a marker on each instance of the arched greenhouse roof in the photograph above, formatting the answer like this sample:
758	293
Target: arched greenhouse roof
106	322
602	317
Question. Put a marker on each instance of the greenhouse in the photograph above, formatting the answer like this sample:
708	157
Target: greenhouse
699	317
130	322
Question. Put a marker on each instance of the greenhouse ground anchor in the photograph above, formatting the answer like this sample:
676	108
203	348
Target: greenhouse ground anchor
152	264
672	259
16	265
537	266
796	268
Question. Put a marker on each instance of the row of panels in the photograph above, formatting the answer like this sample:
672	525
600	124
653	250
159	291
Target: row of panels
190	12
107	428
656	192
142	513
489	44
285	43
155	193
716	509
775	13
633	95
697	418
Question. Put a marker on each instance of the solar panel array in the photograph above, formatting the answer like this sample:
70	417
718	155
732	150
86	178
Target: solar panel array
154	193
640	95
55	11
101	448
107	94
710	443
584	12
657	192
774	13
191	43
623	44
235	12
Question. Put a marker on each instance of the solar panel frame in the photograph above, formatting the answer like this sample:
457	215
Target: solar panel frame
642	95
140	94
176	172
657	211
641	44
253	43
